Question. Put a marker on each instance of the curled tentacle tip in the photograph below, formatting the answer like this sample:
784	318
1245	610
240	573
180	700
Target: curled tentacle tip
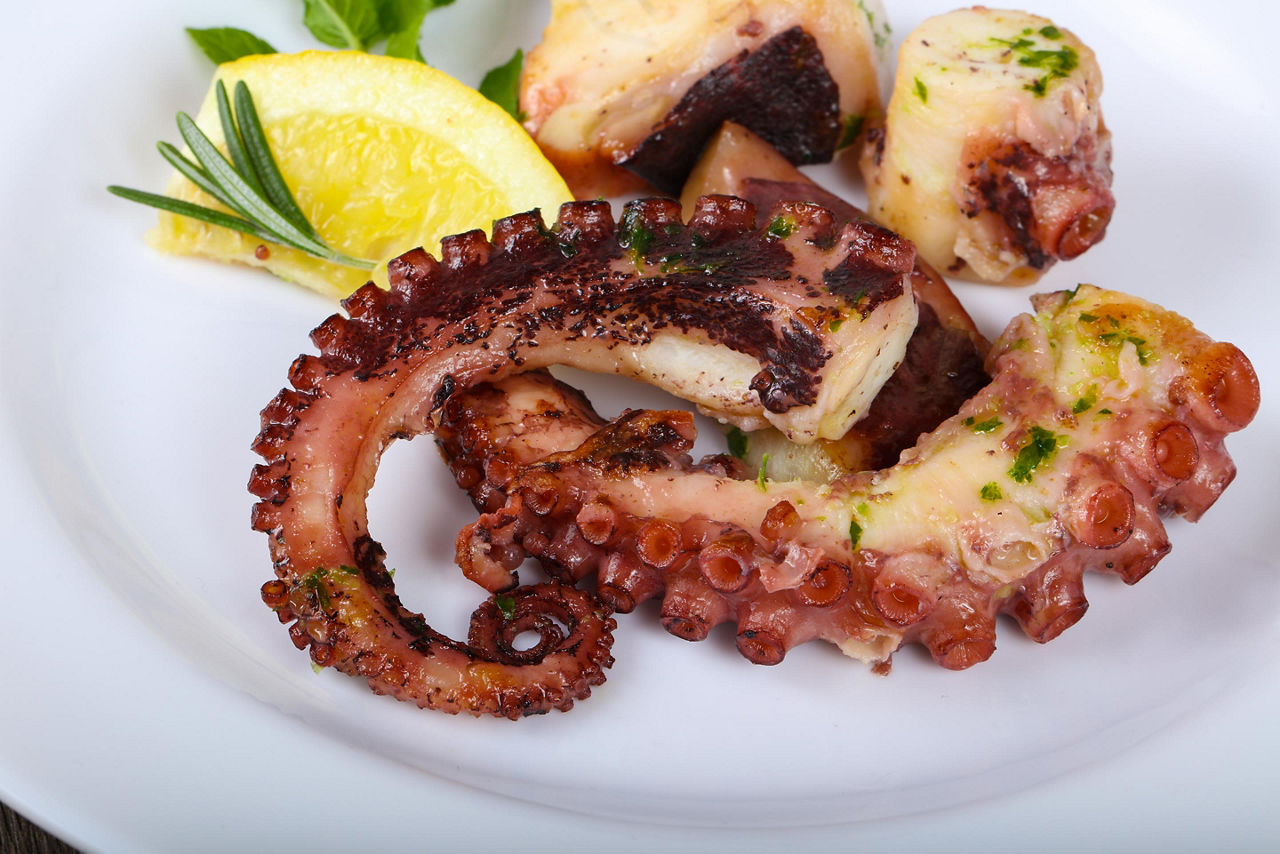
686	627
761	647
963	654
1221	389
1086	229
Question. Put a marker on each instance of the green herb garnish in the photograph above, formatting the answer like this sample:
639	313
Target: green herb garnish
922	91
855	534
315	582
1086	403
1140	344
1039	448
1056	63
851	127
506	604
502	85
781	227
360	24
737	442
991	492
634	235
986	426
224	44
250	184
764	468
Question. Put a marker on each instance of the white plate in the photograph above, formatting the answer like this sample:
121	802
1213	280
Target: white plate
151	703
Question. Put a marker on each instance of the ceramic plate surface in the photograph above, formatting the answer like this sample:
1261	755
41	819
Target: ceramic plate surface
151	703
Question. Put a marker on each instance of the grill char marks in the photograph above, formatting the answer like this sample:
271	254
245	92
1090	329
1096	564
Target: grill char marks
943	363
781	90
719	280
581	294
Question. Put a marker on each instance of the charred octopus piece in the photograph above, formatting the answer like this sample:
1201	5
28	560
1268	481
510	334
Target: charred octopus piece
740	319
943	365
1105	412
623	94
993	157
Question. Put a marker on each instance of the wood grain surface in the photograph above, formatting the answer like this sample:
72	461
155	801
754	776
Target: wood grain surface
19	836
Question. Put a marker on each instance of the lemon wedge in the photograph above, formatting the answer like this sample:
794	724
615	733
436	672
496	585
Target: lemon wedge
382	155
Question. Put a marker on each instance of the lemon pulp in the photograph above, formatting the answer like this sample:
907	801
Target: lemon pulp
382	155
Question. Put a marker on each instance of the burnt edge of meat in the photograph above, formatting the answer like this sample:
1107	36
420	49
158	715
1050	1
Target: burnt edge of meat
781	90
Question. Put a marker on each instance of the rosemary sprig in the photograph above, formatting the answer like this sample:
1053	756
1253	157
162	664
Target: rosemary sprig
250	183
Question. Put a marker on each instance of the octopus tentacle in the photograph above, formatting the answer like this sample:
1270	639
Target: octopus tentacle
1104	412
756	303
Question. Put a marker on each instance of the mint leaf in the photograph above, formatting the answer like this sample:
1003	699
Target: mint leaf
404	44
223	44
502	84
737	441
402	23
347	24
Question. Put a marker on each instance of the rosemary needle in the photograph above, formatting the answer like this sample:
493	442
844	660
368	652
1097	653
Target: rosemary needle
249	184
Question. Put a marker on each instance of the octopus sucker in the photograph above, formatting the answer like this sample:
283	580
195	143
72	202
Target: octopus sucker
716	309
1104	414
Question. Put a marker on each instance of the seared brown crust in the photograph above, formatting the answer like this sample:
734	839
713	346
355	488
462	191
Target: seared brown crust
777	558
532	296
568	283
781	90
1052	207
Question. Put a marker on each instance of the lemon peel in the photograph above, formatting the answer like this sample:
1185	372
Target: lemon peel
382	155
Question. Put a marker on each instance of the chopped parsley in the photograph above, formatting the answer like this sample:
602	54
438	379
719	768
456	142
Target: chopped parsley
922	91
781	227
851	127
991	492
315	582
855	534
763	474
737	442
676	262
1056	64
1038	450
1086	403
1117	336
987	426
634	235
506	604
1144	352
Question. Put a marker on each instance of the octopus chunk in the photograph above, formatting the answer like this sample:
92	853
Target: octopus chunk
993	157
624	94
943	364
796	324
1104	414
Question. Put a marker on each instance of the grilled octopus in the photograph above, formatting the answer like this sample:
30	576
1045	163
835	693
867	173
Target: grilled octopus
1062	463
796	324
943	363
1105	413
993	157
622	95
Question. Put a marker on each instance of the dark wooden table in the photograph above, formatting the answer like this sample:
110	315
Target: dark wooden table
19	836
